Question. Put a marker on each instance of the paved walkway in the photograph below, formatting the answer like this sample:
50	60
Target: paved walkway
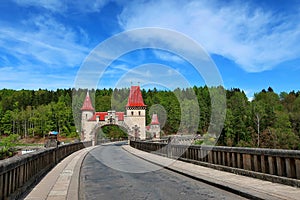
62	182
246	186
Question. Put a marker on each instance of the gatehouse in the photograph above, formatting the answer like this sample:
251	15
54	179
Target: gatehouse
132	121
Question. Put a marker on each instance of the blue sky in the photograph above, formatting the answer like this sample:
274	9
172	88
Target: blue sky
254	44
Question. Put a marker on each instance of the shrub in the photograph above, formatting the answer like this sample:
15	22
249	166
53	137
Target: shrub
8	144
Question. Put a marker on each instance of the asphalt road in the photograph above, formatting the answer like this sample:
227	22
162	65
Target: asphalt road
109	172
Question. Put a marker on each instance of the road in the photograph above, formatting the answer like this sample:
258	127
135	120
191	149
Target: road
109	172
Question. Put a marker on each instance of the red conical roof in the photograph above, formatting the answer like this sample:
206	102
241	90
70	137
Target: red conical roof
135	98
87	104
154	120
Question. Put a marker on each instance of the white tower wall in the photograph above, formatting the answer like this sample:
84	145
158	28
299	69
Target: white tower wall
136	117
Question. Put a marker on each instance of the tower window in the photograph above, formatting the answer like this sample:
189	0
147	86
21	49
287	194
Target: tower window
85	116
139	112
131	112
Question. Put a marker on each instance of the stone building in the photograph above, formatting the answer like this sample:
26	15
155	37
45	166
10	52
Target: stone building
133	120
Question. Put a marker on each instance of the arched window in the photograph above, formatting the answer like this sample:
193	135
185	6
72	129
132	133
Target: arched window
131	112
139	112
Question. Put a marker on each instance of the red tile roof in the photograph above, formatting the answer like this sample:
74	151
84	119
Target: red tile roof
135	98
87	104
154	120
102	115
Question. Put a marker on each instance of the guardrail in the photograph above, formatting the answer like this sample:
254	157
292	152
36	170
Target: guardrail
276	165
19	173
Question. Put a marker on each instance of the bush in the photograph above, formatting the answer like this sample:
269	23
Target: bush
198	142
8	146
207	140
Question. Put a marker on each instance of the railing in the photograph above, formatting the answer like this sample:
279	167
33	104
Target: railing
18	173
276	165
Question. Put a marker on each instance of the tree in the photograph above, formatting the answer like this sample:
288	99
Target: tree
229	128
6	123
258	114
237	118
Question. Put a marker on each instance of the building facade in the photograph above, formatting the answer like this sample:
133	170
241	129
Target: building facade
133	121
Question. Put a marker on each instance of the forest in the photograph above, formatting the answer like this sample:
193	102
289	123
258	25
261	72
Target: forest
270	120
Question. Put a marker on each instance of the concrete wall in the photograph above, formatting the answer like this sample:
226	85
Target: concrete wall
19	173
87	128
140	121
155	130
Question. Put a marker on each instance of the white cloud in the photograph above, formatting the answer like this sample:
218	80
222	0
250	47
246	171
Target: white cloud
18	78
89	6
167	56
45	41
60	6
37	49
254	38
151	74
53	5
116	70
121	67
250	94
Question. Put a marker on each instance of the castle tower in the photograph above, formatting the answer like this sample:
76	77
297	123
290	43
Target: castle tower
87	112
155	126
136	113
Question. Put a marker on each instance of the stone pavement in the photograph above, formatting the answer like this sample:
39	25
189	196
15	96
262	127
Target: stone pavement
62	181
245	186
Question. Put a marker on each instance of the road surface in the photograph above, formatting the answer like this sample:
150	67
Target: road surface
109	172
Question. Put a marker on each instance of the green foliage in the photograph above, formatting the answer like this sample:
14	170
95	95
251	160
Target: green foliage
7	145
9	141
112	132
207	140
198	142
270	120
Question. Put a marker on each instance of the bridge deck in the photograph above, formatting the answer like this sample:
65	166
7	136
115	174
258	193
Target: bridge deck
62	181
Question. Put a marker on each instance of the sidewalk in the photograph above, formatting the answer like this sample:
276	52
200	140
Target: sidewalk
62	181
245	186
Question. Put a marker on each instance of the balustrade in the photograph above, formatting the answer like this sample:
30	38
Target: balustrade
275	165
18	173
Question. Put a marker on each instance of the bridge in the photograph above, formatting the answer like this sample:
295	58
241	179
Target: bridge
151	170
147	169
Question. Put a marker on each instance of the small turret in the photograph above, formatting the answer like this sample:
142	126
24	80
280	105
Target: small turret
154	120
155	126
87	104
87	112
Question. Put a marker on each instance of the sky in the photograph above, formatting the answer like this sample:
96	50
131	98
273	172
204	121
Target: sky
253	44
